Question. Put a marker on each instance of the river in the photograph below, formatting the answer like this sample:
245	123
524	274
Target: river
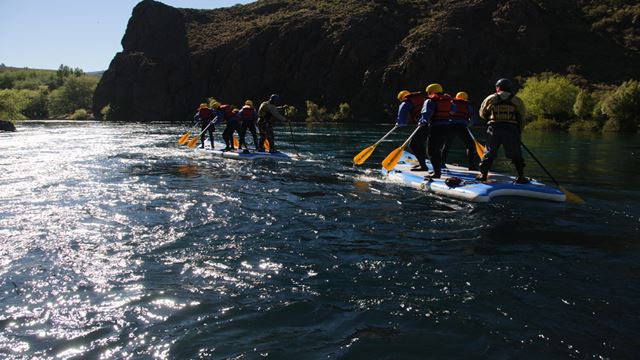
116	242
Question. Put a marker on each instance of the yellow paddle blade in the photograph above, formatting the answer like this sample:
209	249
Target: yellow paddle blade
267	146
236	143
184	138
363	155
571	197
193	142
392	159
480	149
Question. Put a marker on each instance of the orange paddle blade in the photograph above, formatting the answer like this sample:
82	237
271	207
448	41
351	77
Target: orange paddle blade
184	138
236	143
571	197
363	155
193	142
267	146
480	149
392	159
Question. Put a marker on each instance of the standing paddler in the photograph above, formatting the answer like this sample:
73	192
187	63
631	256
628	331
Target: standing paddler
267	111
409	110
504	113
204	115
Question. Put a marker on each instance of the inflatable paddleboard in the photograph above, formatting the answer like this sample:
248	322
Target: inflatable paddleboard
469	189
241	155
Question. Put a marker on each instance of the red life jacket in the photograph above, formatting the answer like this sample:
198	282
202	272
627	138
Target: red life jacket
417	100
205	114
443	106
247	113
228	111
462	110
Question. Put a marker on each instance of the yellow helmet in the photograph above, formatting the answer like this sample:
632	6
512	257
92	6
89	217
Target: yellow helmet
402	94
248	102
215	105
434	88
462	96
203	106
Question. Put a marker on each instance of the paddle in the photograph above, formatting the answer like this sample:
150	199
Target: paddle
480	149
236	143
267	146
571	197
193	142
392	159
185	137
364	154
292	140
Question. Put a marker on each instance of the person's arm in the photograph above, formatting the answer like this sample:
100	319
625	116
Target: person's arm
428	108
484	111
218	117
276	113
403	113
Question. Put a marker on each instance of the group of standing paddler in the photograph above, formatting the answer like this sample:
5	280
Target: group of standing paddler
239	121
442	118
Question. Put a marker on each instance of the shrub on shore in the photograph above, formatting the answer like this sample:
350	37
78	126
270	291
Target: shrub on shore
549	96
543	124
584	126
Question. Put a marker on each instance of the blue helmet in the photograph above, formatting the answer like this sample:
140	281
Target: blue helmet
504	84
274	99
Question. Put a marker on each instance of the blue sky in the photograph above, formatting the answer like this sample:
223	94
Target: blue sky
43	34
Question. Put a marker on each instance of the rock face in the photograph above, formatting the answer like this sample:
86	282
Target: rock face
355	51
7	126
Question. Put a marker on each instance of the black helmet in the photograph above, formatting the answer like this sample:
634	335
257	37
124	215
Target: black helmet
274	99
504	84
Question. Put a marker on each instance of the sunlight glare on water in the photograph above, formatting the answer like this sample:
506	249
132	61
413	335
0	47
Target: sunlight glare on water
115	242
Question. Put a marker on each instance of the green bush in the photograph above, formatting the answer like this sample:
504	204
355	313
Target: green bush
343	113
105	112
584	126
549	96
316	113
75	93
80	114
290	111
12	102
543	124
584	105
622	107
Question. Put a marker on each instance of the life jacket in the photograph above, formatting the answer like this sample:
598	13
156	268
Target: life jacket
205	114
462	110
417	99
263	111
228	111
247	113
503	110
443	107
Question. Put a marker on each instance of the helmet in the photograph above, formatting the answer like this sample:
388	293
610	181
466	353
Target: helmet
203	106
504	84
274	99
402	94
215	105
462	96
248	102
434	88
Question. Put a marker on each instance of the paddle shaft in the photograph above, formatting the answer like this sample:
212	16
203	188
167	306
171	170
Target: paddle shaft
386	135
205	129
539	163
292	140
411	136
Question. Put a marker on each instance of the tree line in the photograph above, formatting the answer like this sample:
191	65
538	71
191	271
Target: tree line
46	94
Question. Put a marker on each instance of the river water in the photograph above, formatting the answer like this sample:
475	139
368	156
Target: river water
115	242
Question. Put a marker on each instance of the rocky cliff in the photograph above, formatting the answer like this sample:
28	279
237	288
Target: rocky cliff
357	51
